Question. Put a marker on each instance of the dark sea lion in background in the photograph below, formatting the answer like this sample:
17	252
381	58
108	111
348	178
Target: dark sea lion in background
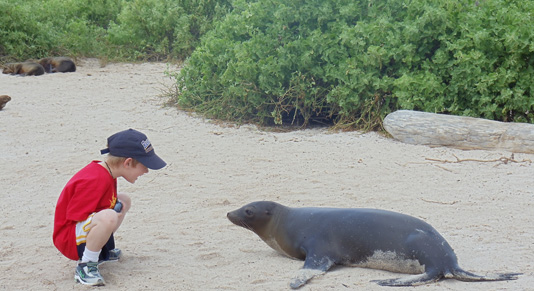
371	238
3	100
58	64
23	69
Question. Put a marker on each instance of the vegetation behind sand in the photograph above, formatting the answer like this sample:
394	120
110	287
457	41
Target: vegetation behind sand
349	62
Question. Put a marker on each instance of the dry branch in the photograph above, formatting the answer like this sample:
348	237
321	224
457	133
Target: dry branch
503	160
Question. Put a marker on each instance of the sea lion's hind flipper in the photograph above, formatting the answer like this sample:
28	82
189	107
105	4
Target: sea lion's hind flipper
466	276
312	267
413	280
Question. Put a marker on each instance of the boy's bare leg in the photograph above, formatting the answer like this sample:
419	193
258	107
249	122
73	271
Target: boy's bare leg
101	227
104	223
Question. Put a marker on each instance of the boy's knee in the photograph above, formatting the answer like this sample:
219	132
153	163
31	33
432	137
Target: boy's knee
107	218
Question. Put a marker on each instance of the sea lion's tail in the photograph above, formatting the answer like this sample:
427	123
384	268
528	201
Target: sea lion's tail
462	275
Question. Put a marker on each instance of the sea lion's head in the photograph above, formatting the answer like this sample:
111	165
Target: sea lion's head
269	220
3	100
11	68
254	216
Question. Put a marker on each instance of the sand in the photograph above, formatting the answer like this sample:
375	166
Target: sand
177	236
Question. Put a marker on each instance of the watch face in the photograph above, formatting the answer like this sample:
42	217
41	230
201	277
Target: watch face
118	206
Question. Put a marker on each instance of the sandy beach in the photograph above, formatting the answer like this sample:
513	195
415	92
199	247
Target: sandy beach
176	235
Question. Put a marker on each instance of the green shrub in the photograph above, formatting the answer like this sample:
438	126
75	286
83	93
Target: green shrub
292	62
33	29
18	30
353	62
162	29
112	29
481	66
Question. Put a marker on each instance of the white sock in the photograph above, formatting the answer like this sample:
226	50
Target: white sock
90	256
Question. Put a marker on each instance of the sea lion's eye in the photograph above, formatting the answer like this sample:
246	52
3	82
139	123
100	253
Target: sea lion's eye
248	212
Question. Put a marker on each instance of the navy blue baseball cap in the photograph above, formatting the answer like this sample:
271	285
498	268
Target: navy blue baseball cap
134	144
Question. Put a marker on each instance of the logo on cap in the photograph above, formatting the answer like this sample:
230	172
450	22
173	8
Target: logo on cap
147	145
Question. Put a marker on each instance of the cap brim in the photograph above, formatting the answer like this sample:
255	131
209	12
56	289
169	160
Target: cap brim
153	162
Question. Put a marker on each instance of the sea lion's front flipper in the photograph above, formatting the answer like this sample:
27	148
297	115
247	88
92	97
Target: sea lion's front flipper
313	266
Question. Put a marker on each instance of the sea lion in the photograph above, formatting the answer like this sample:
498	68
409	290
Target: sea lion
371	238
3	100
58	64
23	69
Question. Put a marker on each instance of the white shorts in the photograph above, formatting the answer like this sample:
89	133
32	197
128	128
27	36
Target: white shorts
82	230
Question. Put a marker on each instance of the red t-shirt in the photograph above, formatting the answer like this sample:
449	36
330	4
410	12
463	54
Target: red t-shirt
90	190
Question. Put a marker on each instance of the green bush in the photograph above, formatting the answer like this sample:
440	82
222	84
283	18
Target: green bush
481	66
113	29
33	29
17	31
350	62
353	62
162	29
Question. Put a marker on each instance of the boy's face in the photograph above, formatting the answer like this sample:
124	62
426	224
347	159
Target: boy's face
131	172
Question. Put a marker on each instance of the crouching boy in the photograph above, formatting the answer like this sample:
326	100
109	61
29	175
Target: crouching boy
89	210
